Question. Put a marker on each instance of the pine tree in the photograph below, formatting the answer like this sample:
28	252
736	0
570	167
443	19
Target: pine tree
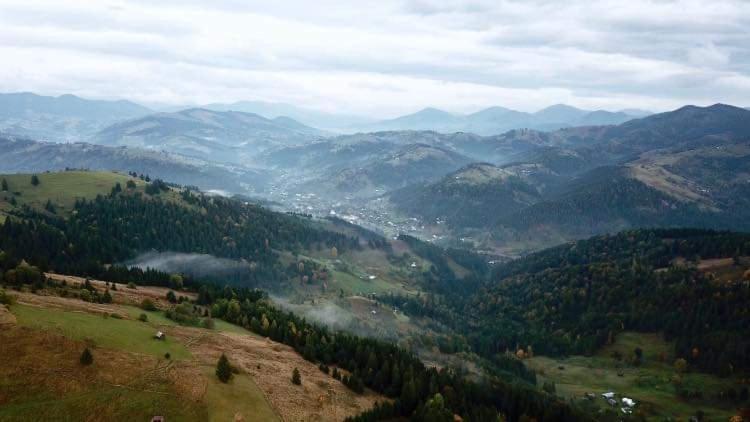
5	185
223	369
35	180
296	377
86	357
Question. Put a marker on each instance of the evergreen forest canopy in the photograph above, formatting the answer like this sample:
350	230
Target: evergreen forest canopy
575	298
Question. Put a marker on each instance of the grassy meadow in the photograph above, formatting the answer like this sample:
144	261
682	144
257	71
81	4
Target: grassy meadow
649	384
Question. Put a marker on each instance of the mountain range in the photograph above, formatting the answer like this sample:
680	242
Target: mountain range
688	167
496	120
63	118
227	136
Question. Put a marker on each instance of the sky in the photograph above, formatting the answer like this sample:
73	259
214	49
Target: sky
382	58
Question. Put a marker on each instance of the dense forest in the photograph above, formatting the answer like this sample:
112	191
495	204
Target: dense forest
575	298
111	229
424	394
608	199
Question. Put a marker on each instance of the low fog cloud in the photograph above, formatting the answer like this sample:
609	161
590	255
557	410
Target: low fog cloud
196	265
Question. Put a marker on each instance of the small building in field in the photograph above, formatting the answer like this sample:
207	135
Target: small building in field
160	336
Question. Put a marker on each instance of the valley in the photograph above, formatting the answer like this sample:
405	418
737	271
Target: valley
515	263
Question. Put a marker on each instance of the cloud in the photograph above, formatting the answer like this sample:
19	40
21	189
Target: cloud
382	57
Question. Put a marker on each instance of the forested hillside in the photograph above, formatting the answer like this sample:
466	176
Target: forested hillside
576	298
131	218
112	228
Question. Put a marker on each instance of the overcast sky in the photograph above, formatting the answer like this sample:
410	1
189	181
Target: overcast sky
382	57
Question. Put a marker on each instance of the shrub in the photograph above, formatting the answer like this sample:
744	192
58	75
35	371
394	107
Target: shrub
223	369
148	305
86	357
131	285
6	299
296	377
143	317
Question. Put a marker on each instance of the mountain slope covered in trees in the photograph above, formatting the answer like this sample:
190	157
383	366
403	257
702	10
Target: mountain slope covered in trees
115	226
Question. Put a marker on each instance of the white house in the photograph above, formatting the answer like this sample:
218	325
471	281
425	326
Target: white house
628	402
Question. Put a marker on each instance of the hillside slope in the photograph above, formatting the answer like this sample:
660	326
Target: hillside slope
128	359
227	136
27	156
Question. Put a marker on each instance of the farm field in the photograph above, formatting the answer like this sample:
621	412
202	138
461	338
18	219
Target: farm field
650	384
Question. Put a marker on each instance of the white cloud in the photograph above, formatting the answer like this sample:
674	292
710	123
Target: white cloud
382	57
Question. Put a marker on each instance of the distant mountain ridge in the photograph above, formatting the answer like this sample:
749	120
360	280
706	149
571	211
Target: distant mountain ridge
227	136
497	120
336	122
63	118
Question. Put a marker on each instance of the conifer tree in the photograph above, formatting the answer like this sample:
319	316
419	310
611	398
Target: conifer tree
223	369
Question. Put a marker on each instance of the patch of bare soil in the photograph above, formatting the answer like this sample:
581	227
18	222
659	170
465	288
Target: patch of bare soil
270	364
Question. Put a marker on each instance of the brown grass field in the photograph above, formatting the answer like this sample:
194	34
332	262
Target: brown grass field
132	380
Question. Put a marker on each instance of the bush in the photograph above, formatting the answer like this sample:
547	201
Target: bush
143	317
148	305
209	323
6	299
86	357
223	369
131	285
296	377
171	297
